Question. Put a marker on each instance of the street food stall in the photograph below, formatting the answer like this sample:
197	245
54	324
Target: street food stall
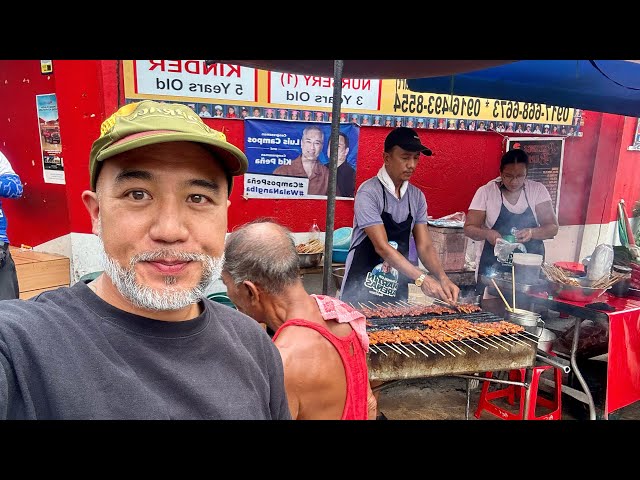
623	363
575	301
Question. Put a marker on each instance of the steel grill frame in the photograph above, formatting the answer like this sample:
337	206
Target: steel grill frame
501	352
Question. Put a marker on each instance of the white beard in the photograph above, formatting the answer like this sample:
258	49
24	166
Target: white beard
169	297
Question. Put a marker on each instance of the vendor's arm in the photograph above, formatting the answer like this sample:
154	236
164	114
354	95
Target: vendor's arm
440	286
548	224
475	228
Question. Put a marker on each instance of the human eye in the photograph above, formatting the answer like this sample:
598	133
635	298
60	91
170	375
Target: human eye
199	199
138	195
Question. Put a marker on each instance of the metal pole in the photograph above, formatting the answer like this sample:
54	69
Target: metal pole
333	173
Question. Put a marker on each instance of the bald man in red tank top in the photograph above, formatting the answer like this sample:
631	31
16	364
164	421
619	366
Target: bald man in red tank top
322	341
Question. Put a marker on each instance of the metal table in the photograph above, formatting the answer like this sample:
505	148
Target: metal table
623	366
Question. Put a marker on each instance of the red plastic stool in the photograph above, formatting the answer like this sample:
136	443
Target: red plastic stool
511	391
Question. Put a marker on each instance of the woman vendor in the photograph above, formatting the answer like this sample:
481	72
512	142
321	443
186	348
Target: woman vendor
508	202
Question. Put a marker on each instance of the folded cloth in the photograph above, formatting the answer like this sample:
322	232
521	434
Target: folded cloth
333	309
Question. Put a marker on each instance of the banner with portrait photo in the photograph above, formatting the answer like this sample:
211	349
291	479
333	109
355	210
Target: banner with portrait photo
275	150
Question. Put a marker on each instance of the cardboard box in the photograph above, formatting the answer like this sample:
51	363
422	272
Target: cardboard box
39	272
450	244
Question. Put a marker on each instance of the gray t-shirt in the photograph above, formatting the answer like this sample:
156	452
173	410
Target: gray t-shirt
67	354
368	206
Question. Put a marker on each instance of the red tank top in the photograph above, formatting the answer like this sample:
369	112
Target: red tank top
355	367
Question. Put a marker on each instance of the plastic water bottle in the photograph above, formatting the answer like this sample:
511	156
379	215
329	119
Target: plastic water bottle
511	238
314	231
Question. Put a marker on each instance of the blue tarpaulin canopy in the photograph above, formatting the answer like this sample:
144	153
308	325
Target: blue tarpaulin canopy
609	86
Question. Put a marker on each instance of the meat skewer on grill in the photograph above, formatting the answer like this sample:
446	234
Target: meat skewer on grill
467	326
412	337
387	338
462	339
435	342
459	307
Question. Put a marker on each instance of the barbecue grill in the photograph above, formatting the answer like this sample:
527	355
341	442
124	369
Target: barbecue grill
454	354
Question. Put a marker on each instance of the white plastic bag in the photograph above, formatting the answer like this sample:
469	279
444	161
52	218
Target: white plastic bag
453	220
600	263
503	250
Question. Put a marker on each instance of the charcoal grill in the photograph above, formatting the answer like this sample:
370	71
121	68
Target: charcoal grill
391	361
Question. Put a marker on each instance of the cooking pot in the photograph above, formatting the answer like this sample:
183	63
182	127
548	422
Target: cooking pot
531	321
546	339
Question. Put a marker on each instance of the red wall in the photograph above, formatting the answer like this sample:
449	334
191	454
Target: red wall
41	214
88	90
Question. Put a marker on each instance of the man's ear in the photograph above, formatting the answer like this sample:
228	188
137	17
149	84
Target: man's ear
253	292
90	200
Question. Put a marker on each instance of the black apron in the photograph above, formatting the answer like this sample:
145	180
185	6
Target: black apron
366	281
507	220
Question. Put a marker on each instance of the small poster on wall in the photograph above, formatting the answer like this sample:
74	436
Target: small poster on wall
636	138
545	162
51	144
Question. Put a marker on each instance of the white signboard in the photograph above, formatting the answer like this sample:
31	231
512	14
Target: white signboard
313	91
194	78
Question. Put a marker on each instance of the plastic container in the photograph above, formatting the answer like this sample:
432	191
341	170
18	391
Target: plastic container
527	267
342	237
339	255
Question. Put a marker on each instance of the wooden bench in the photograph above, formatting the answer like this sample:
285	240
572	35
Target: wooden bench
39	272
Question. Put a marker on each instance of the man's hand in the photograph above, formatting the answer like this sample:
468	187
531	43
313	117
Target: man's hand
432	288
493	236
524	235
451	290
445	289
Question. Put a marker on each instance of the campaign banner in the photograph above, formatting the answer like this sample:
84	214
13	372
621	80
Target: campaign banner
290	159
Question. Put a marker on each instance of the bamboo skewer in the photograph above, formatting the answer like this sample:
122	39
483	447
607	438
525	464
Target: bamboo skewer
476	342
513	337
406	348
414	345
501	295
491	340
426	345
461	340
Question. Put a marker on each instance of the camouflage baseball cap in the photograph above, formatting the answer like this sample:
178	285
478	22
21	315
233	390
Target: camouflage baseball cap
147	122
